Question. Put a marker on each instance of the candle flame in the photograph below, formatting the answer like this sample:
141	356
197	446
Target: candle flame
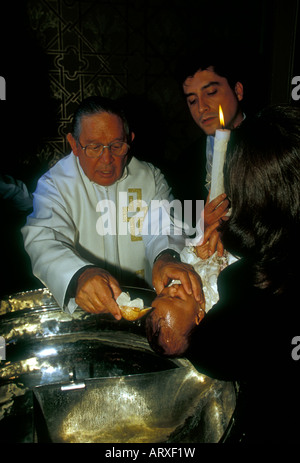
221	117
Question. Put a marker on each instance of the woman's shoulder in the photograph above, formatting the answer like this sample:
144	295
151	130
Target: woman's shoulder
239	274
236	286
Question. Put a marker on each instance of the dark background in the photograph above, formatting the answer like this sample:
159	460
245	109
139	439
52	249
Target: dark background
53	53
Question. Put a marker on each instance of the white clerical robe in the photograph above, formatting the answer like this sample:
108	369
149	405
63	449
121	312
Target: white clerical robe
76	222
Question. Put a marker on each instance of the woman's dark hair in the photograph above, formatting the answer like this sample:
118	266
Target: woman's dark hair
97	105
262	181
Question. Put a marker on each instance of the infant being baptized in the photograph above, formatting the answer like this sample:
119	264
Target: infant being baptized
170	325
176	314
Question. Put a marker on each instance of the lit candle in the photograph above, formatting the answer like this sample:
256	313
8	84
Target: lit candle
220	147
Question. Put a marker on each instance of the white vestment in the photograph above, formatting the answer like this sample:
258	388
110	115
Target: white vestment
76	222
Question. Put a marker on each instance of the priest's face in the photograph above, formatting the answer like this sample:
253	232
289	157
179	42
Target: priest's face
205	91
103	128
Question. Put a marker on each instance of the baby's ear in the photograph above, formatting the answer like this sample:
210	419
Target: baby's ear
199	316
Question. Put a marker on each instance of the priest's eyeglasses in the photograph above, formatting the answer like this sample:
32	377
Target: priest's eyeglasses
95	150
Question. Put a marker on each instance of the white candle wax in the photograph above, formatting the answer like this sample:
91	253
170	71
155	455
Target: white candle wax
220	147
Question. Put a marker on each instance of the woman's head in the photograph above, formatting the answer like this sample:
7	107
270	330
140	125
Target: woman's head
262	181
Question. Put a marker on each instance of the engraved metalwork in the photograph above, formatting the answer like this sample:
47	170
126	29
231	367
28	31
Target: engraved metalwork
90	378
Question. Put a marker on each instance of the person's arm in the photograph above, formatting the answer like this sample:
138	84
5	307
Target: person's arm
166	241
97	291
227	341
160	230
214	211
168	267
49	238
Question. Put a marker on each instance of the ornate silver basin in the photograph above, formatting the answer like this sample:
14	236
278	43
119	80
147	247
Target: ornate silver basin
90	378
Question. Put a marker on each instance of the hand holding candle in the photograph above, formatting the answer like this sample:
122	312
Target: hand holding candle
220	147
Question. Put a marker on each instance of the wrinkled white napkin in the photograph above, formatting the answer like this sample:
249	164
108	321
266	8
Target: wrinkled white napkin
208	270
125	300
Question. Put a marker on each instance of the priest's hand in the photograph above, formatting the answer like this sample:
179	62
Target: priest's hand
214	212
97	291
166	269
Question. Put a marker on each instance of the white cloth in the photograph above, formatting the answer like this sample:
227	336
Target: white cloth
208	270
76	222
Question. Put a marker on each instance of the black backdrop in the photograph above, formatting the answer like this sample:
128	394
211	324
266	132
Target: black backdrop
55	52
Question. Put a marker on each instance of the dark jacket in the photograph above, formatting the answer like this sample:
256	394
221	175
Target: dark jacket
188	174
247	337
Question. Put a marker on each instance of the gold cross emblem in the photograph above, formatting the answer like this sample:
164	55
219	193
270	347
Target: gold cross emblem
135	213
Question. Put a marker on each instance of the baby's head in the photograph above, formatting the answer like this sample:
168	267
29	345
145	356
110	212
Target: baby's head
170	325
